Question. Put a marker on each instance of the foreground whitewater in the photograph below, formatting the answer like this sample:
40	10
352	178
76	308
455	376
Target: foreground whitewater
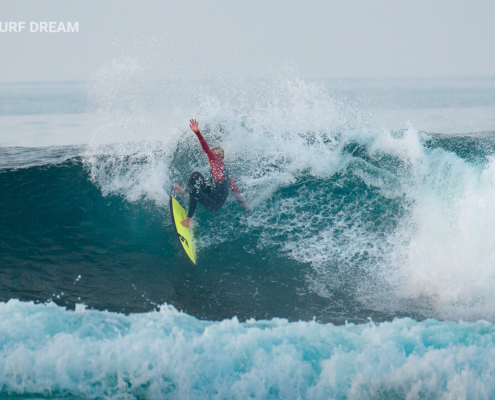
48	351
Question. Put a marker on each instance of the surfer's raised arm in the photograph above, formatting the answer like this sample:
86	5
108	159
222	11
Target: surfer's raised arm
193	124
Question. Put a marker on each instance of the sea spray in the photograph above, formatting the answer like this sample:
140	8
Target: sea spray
380	215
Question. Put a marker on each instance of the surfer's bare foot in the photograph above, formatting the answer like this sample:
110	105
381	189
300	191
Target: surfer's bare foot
186	222
179	189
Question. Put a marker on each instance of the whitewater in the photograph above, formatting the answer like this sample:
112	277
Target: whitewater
364	270
53	352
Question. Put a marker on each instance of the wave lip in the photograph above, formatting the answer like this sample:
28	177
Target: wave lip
50	351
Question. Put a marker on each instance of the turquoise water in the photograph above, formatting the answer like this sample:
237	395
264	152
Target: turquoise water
365	249
54	353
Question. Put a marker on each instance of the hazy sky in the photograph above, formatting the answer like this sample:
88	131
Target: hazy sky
358	38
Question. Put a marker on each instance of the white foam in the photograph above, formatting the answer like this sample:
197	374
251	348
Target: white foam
46	350
446	254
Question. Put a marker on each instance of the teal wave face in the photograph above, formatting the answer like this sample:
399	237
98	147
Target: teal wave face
63	240
400	229
48	351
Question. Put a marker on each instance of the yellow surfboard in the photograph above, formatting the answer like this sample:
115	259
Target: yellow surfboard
185	234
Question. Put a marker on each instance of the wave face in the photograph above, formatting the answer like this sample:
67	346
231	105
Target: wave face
348	221
47	351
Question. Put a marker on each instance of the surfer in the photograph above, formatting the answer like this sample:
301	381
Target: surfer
213	193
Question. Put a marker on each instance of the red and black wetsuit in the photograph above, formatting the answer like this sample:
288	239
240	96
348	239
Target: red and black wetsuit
211	194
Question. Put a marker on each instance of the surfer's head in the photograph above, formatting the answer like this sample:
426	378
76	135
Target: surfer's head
219	153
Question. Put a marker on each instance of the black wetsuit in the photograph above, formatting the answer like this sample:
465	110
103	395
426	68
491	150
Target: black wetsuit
211	194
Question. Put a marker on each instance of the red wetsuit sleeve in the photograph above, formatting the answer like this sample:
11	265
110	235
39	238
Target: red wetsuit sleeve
236	190
217	166
205	146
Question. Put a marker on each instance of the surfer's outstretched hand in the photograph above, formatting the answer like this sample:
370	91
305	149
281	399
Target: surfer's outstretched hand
193	124
179	189
246	206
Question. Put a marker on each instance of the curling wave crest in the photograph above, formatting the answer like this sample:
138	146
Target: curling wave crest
398	220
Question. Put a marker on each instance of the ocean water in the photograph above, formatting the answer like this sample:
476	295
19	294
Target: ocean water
365	268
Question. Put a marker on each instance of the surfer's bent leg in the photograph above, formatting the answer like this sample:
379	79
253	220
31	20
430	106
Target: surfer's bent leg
214	196
196	185
200	191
